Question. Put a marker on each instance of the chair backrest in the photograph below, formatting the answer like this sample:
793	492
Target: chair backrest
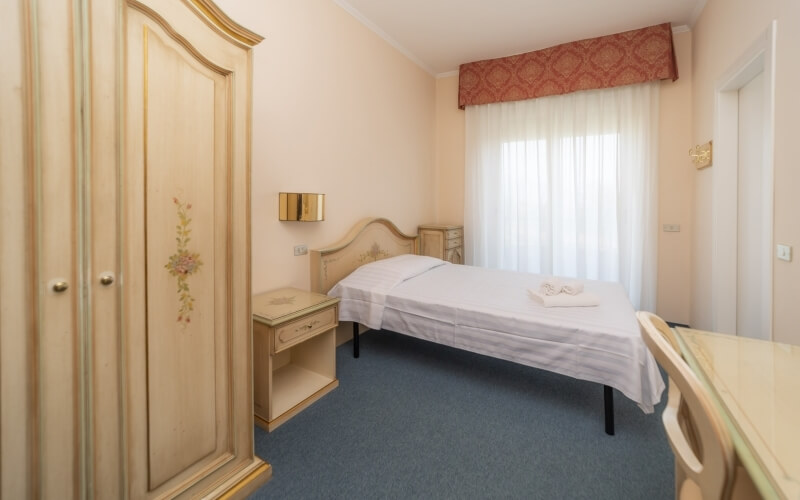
712	472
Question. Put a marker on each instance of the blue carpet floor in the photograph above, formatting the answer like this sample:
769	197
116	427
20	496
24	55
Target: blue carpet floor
413	419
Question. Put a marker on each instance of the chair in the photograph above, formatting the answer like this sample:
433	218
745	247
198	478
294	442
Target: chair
704	457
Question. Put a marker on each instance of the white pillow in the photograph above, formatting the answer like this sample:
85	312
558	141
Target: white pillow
373	280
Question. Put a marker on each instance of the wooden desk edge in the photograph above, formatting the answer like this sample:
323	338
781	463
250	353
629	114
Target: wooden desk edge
760	477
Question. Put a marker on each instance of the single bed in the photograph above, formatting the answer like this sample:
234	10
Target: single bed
486	311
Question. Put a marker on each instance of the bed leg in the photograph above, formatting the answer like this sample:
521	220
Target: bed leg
355	339
608	400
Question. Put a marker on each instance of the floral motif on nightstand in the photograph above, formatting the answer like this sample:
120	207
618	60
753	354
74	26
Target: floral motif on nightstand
374	253
183	263
282	301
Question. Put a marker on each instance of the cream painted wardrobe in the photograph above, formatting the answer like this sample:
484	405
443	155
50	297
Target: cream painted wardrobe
126	348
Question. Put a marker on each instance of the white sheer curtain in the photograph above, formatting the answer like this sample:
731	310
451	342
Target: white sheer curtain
566	186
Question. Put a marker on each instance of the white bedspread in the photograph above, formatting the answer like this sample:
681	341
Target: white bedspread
490	312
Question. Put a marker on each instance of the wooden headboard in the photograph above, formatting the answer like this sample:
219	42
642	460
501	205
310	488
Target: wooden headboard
368	241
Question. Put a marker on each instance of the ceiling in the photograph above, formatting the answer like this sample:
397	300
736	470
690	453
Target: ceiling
439	35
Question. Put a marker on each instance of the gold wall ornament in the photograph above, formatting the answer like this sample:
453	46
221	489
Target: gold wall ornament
303	207
701	155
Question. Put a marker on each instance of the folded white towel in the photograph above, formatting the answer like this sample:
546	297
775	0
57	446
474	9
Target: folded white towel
572	287
565	300
551	286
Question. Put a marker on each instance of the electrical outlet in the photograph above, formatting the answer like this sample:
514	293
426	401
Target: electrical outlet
672	228
785	253
300	250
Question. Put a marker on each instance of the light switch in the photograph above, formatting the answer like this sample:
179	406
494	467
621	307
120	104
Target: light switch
785	252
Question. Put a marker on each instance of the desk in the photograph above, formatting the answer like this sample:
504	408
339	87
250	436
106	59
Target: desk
756	384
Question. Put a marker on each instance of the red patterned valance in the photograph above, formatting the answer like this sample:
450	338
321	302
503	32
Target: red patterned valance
608	61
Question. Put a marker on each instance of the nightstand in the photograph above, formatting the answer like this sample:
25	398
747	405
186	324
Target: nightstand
443	241
294	352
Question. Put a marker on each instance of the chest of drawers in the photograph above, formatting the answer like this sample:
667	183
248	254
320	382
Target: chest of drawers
443	241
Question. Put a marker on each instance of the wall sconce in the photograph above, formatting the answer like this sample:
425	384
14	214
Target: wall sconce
304	207
701	155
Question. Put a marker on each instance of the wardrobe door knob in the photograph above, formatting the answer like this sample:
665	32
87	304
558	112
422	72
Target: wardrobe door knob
60	286
106	279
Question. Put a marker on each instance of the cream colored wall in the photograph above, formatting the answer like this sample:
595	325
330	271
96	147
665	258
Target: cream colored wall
675	193
336	110
722	33
449	152
675	176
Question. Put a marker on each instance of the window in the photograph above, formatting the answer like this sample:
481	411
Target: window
565	186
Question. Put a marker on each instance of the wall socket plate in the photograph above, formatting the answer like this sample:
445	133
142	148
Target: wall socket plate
785	252
300	250
672	228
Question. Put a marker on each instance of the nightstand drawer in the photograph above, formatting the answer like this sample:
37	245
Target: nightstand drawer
304	328
454	233
452	243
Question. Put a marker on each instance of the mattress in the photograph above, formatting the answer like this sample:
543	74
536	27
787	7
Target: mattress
490	312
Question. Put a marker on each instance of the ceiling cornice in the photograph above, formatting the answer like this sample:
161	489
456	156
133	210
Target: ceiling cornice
447	74
391	41
696	12
347	7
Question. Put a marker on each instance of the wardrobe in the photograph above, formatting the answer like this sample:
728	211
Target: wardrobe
126	345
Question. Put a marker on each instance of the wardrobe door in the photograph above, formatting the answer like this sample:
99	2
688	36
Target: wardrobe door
185	250
125	346
16	321
59	366
41	426
102	86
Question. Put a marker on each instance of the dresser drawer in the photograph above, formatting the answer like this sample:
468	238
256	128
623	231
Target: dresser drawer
454	233
301	329
452	243
454	256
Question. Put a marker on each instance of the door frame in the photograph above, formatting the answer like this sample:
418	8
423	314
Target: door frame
759	57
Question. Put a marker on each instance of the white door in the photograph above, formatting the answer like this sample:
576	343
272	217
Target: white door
753	278
742	192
